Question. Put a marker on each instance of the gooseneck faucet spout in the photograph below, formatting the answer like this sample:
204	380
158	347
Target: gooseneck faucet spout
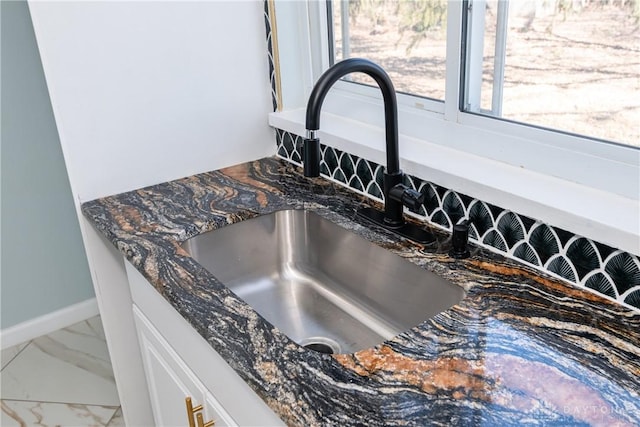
396	194
319	92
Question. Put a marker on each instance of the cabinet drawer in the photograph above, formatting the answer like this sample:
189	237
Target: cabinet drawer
171	382
175	340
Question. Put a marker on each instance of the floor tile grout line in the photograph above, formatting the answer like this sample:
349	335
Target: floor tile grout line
106	424
61	403
28	343
112	416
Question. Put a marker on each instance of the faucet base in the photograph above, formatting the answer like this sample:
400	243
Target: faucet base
409	231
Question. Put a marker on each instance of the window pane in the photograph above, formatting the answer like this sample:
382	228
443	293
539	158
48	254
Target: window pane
406	38
567	65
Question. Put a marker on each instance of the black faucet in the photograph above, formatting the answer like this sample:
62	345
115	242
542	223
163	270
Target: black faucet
396	194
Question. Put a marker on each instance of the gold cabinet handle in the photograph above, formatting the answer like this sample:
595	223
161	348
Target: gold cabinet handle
191	411
201	422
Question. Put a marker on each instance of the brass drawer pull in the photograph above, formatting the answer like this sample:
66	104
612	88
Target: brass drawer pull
201	422
191	411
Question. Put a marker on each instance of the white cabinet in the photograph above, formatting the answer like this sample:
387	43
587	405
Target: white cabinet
179	363
171	383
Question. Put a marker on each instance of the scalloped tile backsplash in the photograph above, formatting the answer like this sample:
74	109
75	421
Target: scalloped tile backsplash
563	254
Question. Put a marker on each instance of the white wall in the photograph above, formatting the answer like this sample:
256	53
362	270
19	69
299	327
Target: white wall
44	267
145	92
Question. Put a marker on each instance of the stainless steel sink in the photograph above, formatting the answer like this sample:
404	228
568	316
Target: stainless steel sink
325	287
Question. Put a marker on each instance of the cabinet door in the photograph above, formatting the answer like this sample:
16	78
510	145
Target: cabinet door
167	390
161	323
171	382
217	413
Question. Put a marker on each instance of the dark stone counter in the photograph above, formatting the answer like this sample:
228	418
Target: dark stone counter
520	349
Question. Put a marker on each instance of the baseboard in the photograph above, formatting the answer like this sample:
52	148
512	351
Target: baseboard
48	323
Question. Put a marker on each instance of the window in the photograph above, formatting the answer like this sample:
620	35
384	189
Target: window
564	65
454	105
407	38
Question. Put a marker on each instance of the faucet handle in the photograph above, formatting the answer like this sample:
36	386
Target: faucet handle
407	196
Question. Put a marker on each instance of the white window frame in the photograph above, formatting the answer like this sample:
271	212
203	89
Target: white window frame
544	174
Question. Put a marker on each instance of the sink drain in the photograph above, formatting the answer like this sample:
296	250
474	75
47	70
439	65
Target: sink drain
321	345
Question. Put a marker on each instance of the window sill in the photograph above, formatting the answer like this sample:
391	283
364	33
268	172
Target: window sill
596	214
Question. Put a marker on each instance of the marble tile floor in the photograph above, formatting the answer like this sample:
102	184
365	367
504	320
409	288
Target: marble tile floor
60	379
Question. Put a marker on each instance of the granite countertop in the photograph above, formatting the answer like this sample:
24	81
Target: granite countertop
520	348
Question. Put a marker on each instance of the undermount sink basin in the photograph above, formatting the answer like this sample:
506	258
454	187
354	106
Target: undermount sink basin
325	287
